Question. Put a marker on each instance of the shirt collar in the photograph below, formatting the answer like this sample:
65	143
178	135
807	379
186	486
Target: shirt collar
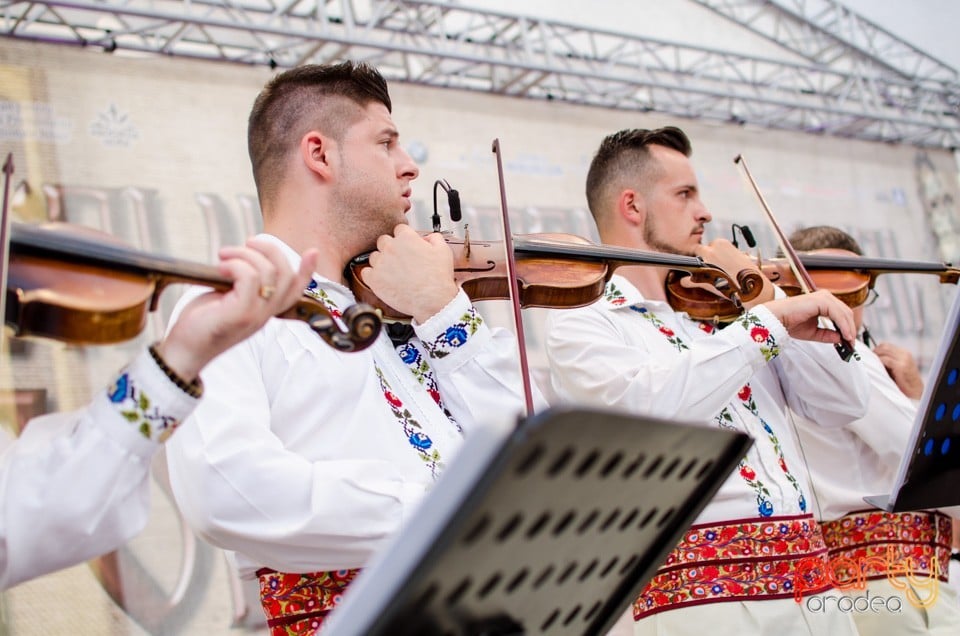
620	293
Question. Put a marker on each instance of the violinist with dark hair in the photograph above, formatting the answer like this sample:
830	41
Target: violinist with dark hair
76	485
309	460
861	458
738	569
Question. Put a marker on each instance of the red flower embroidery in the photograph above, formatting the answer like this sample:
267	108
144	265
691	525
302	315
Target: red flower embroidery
667	331
392	399
783	465
435	395
759	334
705	326
728	532
747	472
618	301
744	393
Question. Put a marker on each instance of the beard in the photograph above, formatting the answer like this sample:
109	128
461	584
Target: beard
652	238
362	216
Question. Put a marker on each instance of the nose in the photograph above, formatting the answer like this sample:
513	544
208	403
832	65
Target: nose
407	167
701	213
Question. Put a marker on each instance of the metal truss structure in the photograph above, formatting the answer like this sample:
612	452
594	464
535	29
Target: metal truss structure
841	75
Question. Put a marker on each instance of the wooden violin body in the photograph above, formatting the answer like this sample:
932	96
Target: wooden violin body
82	287
849	277
565	271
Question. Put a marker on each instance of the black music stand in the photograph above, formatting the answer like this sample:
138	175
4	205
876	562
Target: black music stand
554	529
929	475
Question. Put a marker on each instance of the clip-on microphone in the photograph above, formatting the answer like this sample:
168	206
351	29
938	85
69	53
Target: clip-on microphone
453	203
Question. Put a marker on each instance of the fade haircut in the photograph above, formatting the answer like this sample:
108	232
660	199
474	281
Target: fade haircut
623	160
821	237
328	98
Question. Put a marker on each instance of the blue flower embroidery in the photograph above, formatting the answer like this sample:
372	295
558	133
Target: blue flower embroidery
119	392
803	503
313	284
409	354
716	589
766	508
455	335
420	440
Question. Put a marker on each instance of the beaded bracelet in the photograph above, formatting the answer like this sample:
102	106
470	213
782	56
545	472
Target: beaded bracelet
193	389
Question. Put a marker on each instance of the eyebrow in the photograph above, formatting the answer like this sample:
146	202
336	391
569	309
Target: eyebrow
391	132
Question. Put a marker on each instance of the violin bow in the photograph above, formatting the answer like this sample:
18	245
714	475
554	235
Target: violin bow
514	286
5	235
844	348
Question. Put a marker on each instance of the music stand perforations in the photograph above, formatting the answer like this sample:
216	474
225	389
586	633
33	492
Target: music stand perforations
930	469
566	523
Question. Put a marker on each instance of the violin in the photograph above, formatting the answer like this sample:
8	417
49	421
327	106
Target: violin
566	271
849	278
81	289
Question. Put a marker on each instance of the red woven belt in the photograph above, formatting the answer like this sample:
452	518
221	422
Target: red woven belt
743	560
297	604
874	544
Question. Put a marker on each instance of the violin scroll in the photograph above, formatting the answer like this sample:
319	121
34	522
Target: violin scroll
362	322
708	293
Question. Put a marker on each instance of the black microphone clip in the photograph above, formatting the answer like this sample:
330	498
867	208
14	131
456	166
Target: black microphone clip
745	232
453	203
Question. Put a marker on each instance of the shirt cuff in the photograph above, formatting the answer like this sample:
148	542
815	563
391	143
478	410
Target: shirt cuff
763	328
145	400
457	330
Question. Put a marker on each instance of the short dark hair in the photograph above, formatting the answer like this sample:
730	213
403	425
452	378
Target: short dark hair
823	236
299	100
626	155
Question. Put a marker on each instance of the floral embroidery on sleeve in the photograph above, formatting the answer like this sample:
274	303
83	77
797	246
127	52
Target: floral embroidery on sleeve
760	334
134	406
456	335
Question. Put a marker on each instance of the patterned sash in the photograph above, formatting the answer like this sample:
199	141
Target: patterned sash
297	604
873	544
745	560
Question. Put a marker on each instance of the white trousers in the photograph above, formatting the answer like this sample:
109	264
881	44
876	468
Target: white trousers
940	617
780	617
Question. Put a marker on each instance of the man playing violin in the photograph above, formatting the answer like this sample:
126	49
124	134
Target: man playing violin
76	485
310	459
861	458
737	570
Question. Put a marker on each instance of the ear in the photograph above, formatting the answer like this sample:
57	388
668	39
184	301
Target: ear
315	152
631	207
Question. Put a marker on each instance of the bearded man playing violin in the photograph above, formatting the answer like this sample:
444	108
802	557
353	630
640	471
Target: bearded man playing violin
310	459
880	554
745	563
